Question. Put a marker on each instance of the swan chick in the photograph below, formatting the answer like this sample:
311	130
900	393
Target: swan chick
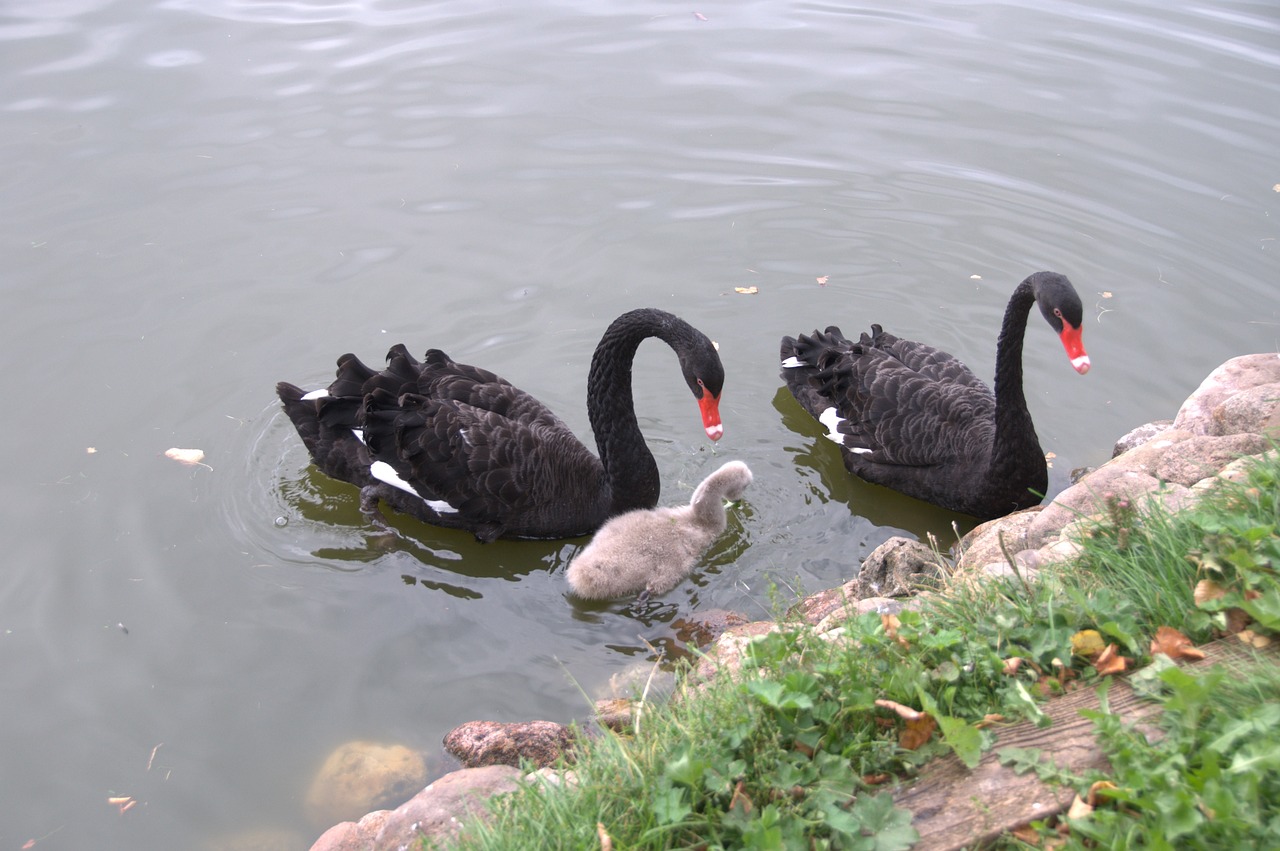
651	550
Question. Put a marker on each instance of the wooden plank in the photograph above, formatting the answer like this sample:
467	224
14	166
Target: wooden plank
953	807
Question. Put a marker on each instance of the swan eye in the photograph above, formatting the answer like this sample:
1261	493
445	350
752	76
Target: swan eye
1057	311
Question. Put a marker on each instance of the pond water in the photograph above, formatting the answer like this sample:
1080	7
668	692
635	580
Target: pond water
203	198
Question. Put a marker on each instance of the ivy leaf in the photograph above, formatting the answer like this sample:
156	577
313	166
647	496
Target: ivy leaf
884	826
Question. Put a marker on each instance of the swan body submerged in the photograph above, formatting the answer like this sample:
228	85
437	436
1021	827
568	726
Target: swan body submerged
914	418
651	551
456	446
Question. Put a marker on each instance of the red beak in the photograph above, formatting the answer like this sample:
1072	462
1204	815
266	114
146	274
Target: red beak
710	407
1075	348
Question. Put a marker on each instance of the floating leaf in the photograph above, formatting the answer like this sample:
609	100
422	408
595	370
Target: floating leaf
822	281
90	450
746	290
190	457
1174	644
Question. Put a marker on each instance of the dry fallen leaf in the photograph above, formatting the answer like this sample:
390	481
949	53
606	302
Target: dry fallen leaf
1206	590
606	841
1087	643
1097	792
917	732
1174	644
746	290
904	712
989	721
1079	809
123	802
1255	640
1110	661
1011	665
822	281
90	450
190	457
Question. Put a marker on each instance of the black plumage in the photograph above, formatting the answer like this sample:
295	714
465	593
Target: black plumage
914	418
457	446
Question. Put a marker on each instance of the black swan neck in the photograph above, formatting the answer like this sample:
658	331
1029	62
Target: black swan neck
1015	434
629	468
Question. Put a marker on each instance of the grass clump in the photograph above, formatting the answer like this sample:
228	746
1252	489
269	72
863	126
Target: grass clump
798	749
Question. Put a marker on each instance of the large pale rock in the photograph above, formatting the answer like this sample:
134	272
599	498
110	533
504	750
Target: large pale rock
1201	456
1255	410
1089	496
480	743
1139	436
362	776
1198	413
1146	457
436	813
988	542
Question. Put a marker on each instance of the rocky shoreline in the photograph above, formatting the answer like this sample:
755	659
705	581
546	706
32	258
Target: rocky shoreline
1232	416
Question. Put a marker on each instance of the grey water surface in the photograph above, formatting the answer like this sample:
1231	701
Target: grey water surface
199	198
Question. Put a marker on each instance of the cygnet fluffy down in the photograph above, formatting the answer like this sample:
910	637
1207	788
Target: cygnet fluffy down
652	550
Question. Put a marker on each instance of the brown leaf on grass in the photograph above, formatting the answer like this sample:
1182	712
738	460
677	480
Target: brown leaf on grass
917	733
1011	665
1256	640
1237	620
1110	661
1098	792
741	799
1027	835
1175	645
606	841
989	721
1079	809
906	713
1206	590
876	779
891	624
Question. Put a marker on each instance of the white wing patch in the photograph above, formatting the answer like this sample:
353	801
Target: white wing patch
322	393
831	419
384	472
793	362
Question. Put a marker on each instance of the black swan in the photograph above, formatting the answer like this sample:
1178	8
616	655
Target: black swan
457	446
650	551
915	419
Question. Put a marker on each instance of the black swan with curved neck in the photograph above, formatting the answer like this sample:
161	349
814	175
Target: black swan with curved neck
915	419
457	446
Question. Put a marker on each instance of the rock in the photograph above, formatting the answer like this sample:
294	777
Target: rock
898	568
1139	436
988	542
1191	460
644	679
615	713
1147	457
1089	497
725	656
481	743
362	776
436	813
1252	411
1197	413
701	628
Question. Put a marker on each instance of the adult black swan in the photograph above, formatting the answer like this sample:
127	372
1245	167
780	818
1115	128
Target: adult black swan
457	446
915	419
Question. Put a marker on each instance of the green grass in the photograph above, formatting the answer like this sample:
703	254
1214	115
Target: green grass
795	752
